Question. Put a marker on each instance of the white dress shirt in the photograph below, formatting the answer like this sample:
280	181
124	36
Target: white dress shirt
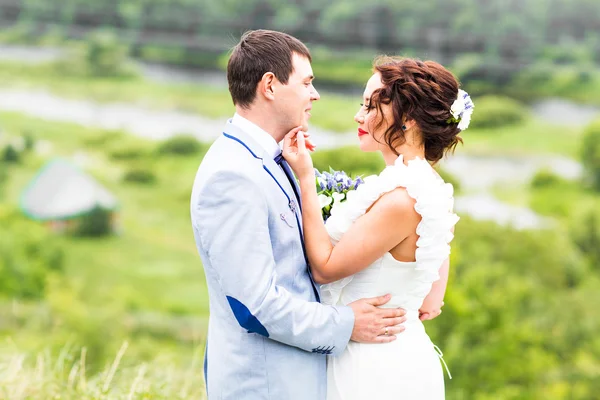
265	140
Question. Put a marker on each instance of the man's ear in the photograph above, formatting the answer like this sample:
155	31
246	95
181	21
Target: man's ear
266	86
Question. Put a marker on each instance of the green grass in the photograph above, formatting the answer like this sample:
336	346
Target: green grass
532	137
64	376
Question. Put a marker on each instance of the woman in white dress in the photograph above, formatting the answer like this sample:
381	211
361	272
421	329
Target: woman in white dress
392	234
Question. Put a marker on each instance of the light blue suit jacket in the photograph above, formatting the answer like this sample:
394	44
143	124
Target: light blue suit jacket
268	334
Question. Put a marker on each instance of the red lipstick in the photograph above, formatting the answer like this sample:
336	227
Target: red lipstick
362	132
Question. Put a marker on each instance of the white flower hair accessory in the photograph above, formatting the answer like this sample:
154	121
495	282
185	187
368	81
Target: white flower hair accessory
461	110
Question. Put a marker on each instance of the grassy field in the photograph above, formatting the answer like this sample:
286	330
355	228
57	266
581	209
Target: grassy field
155	255
532	137
64	376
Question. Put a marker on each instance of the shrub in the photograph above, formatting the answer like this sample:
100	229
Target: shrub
28	254
472	67
10	155
140	175
128	153
104	138
122	146
545	178
96	223
3	179
497	112
105	55
101	54
585	231
180	145
568	53
3	174
591	153
28	141
23	32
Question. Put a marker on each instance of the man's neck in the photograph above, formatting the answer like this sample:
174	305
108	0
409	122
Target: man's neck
260	119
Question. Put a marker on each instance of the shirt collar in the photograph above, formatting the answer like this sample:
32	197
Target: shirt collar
266	141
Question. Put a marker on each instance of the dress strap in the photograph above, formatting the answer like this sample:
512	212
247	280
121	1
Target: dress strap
441	356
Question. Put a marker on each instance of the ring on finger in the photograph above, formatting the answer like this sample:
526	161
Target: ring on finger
387	333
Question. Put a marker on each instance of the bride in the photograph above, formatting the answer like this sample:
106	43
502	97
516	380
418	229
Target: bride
391	235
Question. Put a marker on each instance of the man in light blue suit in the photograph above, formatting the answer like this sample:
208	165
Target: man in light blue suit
268	334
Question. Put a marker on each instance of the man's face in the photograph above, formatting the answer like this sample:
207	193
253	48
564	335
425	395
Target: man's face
294	100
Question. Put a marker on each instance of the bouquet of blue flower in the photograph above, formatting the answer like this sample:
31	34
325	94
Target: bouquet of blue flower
333	187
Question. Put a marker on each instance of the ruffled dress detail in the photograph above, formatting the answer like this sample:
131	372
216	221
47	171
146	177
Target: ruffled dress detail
434	202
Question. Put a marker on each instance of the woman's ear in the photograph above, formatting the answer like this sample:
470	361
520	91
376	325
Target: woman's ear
409	123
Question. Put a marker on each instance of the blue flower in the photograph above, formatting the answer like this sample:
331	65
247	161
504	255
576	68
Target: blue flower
333	187
358	182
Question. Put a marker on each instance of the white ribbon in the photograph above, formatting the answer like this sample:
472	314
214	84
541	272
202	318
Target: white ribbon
441	356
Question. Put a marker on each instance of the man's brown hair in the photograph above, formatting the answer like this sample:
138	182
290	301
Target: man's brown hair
257	53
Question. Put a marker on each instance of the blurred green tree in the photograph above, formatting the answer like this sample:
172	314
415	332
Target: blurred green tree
28	255
10	155
590	153
516	295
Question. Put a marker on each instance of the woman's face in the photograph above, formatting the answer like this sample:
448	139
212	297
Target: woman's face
367	117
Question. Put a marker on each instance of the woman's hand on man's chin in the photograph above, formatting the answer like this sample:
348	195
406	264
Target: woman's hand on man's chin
296	151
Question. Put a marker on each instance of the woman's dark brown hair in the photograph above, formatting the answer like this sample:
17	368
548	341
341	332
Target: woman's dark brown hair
419	91
257	53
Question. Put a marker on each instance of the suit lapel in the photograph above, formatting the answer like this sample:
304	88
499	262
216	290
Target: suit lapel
258	152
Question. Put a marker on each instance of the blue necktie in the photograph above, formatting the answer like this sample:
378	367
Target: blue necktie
278	158
288	173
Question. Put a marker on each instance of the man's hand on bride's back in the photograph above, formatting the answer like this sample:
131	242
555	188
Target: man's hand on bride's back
296	151
373	324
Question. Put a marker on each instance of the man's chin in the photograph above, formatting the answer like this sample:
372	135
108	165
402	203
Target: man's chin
305	126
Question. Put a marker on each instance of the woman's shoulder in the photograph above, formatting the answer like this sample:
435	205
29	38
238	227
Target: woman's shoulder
396	203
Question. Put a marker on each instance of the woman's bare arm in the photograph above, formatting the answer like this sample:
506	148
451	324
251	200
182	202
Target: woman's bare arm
432	305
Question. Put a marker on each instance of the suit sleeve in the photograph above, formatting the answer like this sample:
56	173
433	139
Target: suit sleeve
232	219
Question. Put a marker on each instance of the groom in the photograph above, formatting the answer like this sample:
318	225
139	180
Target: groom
268	332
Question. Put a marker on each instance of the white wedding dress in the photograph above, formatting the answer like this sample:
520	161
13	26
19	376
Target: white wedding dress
409	367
